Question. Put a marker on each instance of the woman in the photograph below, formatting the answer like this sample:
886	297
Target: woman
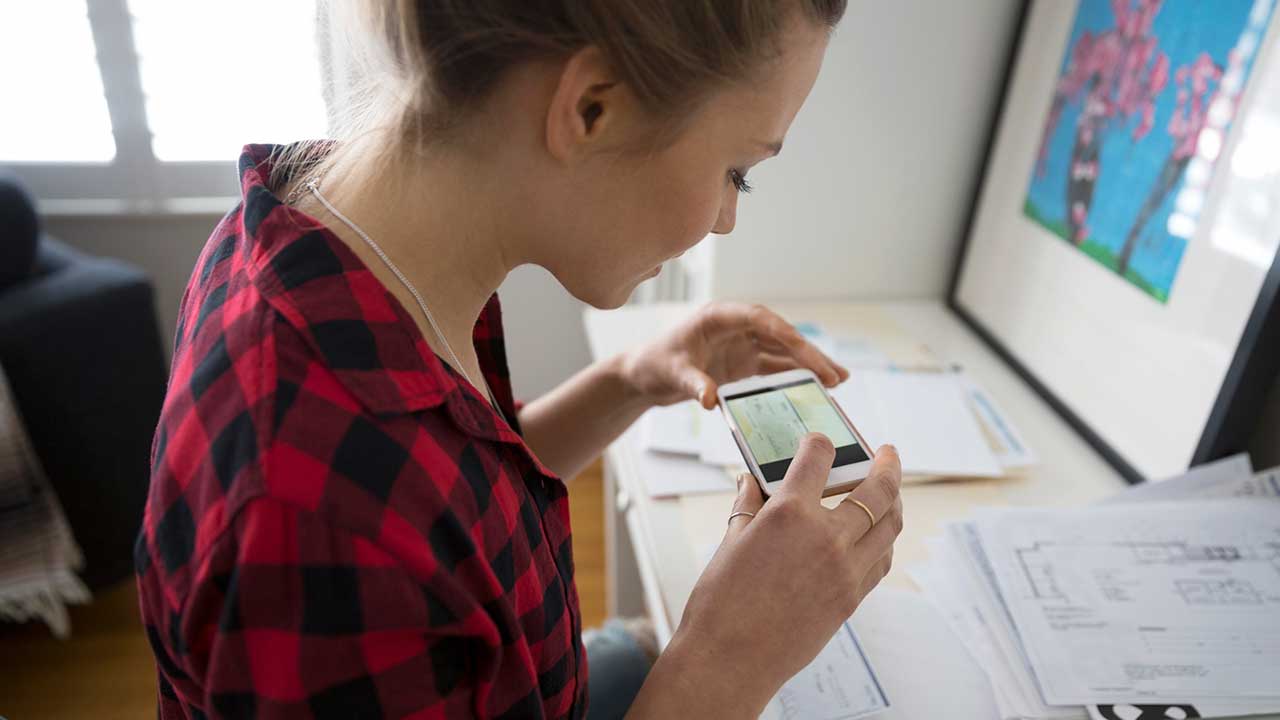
349	517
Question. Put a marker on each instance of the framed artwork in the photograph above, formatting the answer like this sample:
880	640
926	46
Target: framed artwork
1121	251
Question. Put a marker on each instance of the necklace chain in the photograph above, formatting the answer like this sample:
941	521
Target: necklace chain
313	185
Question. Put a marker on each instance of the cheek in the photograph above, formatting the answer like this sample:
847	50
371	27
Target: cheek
690	210
662	208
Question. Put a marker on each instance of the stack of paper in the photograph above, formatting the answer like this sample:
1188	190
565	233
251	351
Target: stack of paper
928	416
838	684
688	429
940	419
1163	602
942	422
895	638
851	352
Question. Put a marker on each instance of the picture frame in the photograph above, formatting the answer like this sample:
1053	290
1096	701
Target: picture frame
1154	337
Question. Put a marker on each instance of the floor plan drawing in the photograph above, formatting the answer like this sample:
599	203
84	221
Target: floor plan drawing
1148	601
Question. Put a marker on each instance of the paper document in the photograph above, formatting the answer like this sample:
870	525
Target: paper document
667	475
675	428
964	565
942	423
1268	482
716	444
913	649
892	349
688	429
1264	484
960	581
958	611
925	415
838	684
1156	601
1228	477
853	352
1002	437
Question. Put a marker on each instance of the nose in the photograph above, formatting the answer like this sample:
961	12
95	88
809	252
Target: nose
728	216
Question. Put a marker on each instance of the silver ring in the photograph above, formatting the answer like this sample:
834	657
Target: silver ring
740	513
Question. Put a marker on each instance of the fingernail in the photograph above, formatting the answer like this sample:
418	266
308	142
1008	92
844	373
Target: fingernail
739	478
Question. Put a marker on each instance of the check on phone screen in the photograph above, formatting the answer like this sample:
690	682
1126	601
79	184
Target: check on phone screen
772	421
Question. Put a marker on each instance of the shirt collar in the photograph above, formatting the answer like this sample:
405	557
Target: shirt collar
353	323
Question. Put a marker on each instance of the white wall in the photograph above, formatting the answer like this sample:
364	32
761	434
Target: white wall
545	338
546	341
870	194
867	200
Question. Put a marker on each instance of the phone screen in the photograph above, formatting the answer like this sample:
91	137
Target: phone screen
773	420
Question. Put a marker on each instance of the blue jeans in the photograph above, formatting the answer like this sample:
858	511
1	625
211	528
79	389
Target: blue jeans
616	669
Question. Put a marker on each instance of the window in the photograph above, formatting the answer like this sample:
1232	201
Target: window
148	101
219	75
57	113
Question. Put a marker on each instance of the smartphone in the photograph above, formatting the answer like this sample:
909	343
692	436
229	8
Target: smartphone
769	414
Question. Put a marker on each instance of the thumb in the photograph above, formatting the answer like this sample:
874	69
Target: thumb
699	386
749	499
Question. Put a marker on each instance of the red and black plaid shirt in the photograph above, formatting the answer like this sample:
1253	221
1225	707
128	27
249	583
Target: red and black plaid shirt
338	524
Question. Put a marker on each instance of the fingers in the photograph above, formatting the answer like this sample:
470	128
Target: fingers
874	575
808	356
750	499
843	371
758	321
727	318
699	386
776	335
768	363
807	475
880	538
879	493
878	544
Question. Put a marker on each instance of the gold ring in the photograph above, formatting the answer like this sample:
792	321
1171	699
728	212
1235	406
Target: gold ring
870	515
740	513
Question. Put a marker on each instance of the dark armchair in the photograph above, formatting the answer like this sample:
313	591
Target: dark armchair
80	347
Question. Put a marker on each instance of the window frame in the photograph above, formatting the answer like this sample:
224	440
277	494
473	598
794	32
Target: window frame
134	180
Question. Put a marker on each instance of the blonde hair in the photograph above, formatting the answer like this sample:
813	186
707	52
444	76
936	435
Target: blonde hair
417	68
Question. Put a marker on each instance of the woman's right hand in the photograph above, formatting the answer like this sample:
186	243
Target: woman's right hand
781	584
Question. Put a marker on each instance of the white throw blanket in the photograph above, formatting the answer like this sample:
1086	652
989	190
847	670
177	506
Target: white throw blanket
38	554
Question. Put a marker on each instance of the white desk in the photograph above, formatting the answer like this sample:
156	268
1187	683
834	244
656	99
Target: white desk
652	544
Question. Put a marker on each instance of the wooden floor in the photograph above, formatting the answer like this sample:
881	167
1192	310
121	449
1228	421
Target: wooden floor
586	513
106	670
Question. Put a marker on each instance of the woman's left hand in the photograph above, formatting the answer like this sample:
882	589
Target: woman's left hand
723	342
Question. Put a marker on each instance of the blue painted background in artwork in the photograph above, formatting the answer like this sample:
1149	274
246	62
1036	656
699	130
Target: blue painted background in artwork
1128	169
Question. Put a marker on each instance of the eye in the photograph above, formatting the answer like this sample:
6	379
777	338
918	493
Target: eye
739	180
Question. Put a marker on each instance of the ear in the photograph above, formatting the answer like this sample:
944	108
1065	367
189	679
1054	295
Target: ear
584	106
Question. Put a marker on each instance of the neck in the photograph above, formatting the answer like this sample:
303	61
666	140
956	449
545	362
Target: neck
441	221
